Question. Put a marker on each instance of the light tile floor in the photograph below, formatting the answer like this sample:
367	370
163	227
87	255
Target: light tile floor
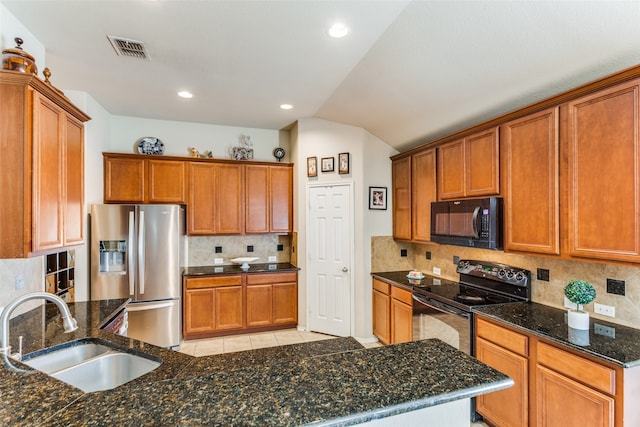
233	343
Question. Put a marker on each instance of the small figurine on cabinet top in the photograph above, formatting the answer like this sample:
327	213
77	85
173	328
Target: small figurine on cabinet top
245	150
195	153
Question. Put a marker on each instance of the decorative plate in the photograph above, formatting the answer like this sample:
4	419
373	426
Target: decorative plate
278	153
150	145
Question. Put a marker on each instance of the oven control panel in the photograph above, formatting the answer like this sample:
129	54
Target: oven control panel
494	271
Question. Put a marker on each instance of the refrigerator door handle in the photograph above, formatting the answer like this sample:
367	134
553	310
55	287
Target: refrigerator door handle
130	253
150	305
141	254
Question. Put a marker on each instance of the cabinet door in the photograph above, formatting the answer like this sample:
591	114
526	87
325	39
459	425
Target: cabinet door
47	222
229	199
259	305
604	177
257	199
401	321
281	199
201	206
74	182
423	192
382	316
507	407
482	168
451	170
530	147
401	182
167	181
285	303
561	401
229	313
124	180
199	307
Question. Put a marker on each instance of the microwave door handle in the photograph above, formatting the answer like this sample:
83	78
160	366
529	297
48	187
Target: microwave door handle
474	222
130	253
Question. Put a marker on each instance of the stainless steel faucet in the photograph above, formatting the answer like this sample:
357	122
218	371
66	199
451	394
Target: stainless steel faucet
68	322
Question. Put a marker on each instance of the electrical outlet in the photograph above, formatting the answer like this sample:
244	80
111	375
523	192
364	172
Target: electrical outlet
403	252
218	249
543	274
273	267
19	281
605	310
615	286
218	260
280	247
456	259
428	254
436	271
273	259
604	330
569	304
250	248
218	270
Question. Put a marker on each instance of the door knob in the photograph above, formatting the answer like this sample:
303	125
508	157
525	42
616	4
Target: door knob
345	269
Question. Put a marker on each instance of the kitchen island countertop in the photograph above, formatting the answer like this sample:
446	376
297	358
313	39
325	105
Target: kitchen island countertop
332	382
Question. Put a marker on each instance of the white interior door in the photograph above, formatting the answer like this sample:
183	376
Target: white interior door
329	243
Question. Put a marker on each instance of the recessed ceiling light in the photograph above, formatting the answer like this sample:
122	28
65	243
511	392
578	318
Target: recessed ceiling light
185	94
338	30
286	106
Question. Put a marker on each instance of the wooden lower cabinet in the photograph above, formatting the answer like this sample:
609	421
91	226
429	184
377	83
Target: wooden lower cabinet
226	304
554	386
392	313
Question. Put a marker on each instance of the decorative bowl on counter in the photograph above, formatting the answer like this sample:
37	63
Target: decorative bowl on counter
244	261
415	275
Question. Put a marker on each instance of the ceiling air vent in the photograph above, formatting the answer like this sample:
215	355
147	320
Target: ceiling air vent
128	47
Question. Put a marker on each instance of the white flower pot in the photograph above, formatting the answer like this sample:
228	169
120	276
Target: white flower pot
578	320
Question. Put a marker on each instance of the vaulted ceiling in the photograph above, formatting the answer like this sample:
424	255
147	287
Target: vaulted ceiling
408	72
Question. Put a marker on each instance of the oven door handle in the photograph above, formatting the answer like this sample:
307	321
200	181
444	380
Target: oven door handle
440	306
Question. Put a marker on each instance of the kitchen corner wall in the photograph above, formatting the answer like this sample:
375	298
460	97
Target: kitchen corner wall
386	257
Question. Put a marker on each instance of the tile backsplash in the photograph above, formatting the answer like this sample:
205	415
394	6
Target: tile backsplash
202	249
386	257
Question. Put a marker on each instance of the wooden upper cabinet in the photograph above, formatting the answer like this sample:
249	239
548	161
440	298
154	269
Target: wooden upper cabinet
401	184
531	162
42	177
423	192
281	199
604	177
469	167
201	202
167	181
139	179
125	179
269	195
229	198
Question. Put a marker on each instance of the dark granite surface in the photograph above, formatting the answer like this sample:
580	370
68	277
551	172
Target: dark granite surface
208	270
336	381
621	348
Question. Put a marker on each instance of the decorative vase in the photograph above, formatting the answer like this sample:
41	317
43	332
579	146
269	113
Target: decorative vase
578	320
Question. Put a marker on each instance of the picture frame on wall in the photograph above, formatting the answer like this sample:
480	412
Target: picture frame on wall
343	163
312	166
378	198
327	164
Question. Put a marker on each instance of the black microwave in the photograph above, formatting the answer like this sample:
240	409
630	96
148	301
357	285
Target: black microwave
475	223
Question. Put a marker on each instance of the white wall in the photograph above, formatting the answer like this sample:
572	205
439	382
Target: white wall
370	166
178	137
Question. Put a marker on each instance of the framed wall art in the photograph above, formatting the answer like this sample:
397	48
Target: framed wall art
378	198
312	166
343	163
327	164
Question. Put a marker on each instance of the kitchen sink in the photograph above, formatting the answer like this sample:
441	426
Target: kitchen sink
92	365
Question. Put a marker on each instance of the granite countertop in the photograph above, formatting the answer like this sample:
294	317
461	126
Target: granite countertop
608	341
611	342
207	270
332	382
400	279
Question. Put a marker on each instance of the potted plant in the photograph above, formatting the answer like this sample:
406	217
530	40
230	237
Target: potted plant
579	292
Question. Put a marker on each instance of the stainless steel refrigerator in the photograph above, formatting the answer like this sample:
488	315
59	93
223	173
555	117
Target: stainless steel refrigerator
136	253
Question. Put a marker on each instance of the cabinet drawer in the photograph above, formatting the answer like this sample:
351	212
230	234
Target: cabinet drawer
590	373
381	286
259	279
505	338
212	282
401	295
